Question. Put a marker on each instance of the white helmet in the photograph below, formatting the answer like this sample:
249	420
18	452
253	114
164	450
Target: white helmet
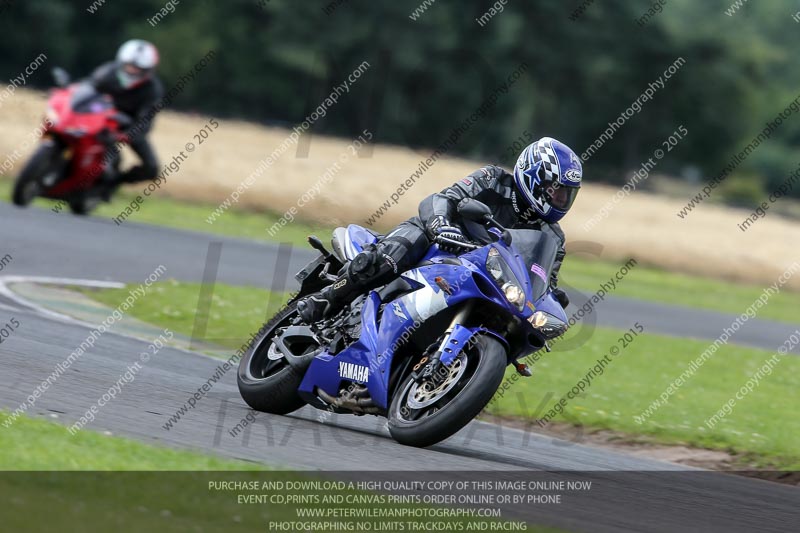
136	61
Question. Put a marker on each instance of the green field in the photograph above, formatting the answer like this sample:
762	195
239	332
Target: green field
642	282
763	426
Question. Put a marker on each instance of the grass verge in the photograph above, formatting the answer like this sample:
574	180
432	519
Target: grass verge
762	426
642	282
117	484
31	444
234	313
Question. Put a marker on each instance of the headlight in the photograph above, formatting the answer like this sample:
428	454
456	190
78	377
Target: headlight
550	326
514	294
505	278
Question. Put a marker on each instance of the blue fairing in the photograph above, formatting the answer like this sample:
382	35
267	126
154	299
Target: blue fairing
360	237
368	361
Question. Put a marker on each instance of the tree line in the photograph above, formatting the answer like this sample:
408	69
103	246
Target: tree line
276	60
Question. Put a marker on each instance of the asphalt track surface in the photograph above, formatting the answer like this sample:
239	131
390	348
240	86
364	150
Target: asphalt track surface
630	494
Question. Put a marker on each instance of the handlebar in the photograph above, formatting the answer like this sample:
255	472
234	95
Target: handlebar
471	246
122	119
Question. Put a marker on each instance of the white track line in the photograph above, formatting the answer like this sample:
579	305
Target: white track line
16	298
60	317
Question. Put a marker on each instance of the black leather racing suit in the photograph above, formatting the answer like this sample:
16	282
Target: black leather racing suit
139	103
404	247
494	187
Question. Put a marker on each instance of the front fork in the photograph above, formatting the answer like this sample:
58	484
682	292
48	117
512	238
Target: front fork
455	338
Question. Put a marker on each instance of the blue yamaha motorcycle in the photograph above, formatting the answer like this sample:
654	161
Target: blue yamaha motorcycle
428	350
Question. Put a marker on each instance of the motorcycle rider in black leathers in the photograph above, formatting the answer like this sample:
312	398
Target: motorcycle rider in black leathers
545	182
131	82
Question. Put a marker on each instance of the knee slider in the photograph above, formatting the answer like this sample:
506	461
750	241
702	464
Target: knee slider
363	267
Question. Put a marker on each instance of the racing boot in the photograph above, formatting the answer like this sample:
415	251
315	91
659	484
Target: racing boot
107	191
135	174
369	269
326	302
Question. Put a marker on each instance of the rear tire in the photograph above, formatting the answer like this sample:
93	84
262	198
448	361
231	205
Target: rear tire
28	185
270	386
485	366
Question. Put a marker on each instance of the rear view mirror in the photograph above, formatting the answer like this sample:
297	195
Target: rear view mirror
60	76
474	210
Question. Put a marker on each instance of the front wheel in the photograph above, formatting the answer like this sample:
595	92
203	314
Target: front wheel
425	412
29	182
267	382
83	204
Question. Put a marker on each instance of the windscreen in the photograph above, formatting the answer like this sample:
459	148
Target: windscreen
86	99
538	249
477	232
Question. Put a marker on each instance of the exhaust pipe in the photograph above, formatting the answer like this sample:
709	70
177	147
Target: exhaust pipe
362	405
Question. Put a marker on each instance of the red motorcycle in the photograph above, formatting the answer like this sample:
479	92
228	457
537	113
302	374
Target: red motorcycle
78	155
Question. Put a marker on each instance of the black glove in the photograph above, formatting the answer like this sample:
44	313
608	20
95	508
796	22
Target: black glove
562	297
447	236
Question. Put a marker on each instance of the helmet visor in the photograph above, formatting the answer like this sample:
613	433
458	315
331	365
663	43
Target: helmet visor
560	196
133	71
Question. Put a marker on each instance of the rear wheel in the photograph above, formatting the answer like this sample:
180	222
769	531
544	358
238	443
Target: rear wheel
428	411
267	381
29	182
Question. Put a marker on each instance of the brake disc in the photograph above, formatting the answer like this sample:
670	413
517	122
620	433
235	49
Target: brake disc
424	394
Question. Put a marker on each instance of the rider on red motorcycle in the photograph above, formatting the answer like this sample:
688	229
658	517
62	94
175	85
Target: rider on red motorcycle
131	82
538	194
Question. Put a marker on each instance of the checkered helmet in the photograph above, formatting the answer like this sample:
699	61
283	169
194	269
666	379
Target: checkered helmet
548	175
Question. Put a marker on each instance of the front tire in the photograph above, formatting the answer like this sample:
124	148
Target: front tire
417	417
83	204
267	384
29	182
